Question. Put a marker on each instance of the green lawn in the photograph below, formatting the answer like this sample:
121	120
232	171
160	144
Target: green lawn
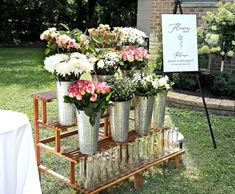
203	169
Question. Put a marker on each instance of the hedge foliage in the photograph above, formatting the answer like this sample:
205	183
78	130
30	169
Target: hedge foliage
24	20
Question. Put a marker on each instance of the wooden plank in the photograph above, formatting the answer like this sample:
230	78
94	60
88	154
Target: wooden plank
64	135
51	149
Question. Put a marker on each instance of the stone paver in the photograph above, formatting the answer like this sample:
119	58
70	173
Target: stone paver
228	104
217	106
213	103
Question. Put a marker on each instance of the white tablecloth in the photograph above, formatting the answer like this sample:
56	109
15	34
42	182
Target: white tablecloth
18	169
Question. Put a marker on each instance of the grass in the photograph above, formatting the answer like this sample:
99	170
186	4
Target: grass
203	169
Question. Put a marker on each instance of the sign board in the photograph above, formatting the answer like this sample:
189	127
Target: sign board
179	34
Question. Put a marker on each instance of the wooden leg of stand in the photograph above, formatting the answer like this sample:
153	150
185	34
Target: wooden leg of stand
57	140
177	162
44	111
37	135
106	126
72	172
138	180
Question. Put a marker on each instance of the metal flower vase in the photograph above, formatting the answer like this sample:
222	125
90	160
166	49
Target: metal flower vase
103	78
66	111
119	120
159	108
88	134
143	114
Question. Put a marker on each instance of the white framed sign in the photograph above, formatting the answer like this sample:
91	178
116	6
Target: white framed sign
179	35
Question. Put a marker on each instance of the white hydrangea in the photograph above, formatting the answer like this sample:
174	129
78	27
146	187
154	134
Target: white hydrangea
230	53
212	39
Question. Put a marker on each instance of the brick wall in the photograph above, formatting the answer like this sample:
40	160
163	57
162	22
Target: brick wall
159	7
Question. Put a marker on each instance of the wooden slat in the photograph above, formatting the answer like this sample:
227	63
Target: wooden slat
47	96
64	135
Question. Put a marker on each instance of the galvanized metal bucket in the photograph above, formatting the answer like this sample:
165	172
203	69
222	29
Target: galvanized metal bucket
159	108
119	120
66	111
103	78
143	114
88	134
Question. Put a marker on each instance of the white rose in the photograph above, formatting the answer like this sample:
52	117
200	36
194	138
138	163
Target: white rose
155	84
100	64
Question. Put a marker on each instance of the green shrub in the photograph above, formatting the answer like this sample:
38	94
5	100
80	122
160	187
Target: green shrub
224	84
185	81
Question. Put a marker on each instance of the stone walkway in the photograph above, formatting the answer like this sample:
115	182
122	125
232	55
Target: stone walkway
217	106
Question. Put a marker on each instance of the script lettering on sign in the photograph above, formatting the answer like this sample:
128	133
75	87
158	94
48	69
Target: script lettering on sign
179	33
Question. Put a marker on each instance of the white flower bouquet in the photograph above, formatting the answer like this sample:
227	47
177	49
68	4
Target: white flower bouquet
152	84
132	36
107	63
67	67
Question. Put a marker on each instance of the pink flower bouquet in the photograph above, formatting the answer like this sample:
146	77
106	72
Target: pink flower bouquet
65	41
90	97
133	58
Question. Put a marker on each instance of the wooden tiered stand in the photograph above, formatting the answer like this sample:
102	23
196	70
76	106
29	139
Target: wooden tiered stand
73	156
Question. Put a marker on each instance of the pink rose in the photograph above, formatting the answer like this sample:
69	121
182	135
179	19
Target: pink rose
90	88
77	46
78	97
86	42
82	37
82	91
93	97
71	43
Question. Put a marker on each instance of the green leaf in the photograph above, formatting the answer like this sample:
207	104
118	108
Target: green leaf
65	26
86	76
67	99
88	111
92	120
47	51
108	96
96	39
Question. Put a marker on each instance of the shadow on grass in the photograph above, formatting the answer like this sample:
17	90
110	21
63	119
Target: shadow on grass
23	66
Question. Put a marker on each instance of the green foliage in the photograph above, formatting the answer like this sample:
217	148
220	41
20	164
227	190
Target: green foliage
185	81
117	13
24	20
224	84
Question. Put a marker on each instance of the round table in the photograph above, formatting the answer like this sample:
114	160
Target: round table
18	169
